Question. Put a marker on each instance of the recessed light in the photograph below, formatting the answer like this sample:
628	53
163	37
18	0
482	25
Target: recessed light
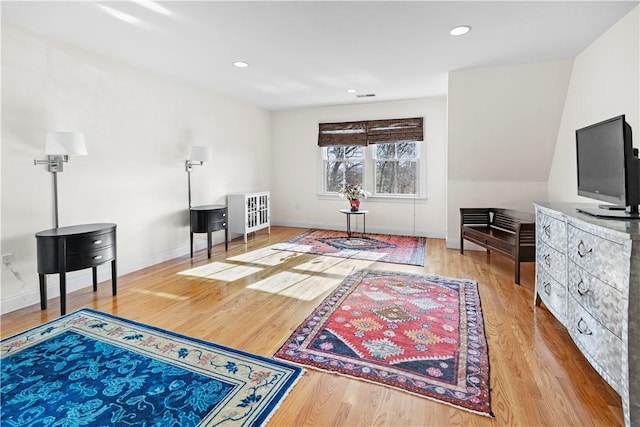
352	90
120	15
458	31
241	64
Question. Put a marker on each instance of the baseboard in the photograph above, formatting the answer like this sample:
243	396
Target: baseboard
83	279
376	230
455	244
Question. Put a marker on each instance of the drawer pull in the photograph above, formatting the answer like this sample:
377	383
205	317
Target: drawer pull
97	242
582	288
547	230
583	328
547	260
97	257
546	286
581	250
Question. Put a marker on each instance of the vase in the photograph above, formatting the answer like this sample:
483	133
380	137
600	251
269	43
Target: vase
355	205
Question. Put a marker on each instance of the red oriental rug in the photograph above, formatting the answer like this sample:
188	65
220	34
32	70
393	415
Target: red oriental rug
372	247
416	333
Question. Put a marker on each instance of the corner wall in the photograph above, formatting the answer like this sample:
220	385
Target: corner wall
605	83
138	128
502	127
297	172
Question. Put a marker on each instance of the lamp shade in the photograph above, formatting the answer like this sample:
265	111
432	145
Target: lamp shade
200	153
66	143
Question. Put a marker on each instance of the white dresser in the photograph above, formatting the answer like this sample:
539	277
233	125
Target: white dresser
249	212
588	276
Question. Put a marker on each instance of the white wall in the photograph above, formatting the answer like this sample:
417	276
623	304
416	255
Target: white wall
605	82
502	127
296	170
138	129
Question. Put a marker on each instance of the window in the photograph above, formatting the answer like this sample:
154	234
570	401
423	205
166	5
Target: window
383	156
396	169
343	164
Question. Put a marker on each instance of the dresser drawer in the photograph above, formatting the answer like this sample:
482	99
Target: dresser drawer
554	262
89	243
602	348
602	301
552	293
600	257
90	259
552	231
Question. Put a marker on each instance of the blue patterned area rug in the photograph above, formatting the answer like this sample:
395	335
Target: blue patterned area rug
93	368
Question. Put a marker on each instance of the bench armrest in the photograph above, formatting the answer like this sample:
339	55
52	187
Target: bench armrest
526	234
475	216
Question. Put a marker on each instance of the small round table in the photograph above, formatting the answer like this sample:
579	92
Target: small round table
348	213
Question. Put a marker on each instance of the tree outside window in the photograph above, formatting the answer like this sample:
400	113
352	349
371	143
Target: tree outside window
343	165
382	156
396	168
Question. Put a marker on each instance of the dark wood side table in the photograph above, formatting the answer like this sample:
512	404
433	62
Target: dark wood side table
72	248
207	219
348	213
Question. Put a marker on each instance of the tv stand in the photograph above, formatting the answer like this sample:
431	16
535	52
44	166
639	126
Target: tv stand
587	275
611	212
612	207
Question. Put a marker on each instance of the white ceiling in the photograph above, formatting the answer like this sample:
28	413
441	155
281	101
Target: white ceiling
304	53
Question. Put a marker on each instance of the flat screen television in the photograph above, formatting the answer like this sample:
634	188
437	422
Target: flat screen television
609	168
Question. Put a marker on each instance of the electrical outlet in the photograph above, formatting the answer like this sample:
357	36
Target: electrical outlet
7	260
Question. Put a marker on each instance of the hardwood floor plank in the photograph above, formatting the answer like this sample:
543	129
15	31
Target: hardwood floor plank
252	297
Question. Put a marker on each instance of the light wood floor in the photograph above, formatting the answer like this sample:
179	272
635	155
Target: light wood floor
252	298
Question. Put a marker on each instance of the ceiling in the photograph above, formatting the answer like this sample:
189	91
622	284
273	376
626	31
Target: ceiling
308	53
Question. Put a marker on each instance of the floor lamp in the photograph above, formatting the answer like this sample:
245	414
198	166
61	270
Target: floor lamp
198	155
58	148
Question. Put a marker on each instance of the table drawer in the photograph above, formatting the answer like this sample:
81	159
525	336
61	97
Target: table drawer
218	225
602	348
89	243
600	257
551	231
213	219
552	293
554	262
602	301
90	259
218	215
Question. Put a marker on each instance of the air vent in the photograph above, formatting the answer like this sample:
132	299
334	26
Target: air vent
366	95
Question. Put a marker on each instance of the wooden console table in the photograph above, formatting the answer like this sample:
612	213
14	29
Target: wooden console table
207	219
72	248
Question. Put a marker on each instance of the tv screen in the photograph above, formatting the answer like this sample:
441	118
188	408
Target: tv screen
601	158
607	166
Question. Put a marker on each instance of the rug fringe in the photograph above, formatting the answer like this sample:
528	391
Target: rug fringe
315	368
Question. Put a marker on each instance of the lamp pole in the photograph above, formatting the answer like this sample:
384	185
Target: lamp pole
55	198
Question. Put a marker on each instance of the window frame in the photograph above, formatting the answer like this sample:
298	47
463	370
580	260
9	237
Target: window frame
369	174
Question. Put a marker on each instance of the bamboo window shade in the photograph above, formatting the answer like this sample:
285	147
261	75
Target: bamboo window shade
370	132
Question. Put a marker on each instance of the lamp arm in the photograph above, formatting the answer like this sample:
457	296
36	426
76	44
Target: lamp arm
53	162
190	163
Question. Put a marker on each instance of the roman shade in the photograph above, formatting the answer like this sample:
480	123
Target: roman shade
370	132
346	133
